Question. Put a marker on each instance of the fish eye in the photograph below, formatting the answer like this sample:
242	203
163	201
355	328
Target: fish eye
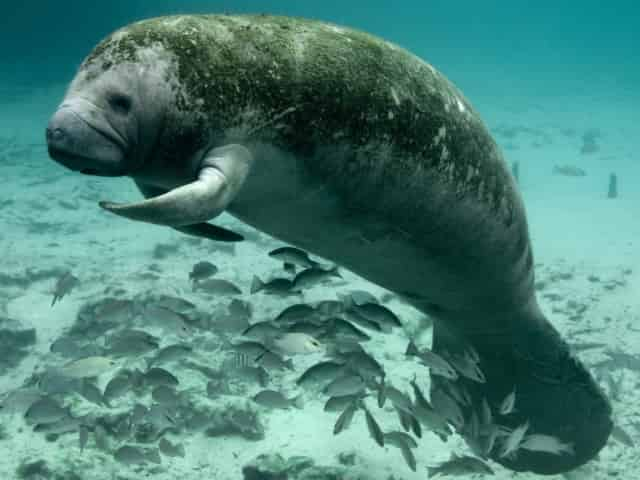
120	103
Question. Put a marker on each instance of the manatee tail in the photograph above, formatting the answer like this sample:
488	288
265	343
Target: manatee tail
555	393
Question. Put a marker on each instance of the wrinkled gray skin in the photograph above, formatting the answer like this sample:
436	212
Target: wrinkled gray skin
353	149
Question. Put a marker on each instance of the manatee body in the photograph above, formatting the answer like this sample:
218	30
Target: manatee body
350	147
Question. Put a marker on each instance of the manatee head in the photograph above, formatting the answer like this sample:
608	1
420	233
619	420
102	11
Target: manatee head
114	108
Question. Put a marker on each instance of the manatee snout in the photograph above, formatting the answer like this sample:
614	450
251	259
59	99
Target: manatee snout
84	142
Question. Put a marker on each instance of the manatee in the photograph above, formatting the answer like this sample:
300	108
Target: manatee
349	147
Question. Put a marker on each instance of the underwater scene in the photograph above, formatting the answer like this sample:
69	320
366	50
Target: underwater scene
284	240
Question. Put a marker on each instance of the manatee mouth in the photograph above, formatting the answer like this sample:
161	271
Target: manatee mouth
92	148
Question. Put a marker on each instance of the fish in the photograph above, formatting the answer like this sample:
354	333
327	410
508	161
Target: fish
101	438
169	449
345	418
83	437
159	376
436	364
339	403
217	286
349	384
507	405
363	363
261	331
408	456
546	443
273	361
377	313
63	287
131	455
373	427
116	388
321	374
467	367
240	309
177	304
398	398
513	441
91	392
295	313
168	320
87	367
314	276
397	438
253	374
338	328
251	349
131	342
330	308
276	286
447	407
275	399
294	256
459	466
568	171
166	396
296	344
358	297
65	424
170	353
202	270
45	410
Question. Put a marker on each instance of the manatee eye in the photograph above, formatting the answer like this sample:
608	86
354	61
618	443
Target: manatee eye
120	103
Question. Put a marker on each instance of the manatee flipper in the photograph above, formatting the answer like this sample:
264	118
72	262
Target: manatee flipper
221	175
554	391
211	232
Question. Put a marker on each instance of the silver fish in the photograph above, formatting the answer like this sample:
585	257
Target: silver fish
466	367
436	364
294	256
131	455
63	287
116	387
274	399
513	441
202	270
330	308
87	367
262	331
217	286
447	407
397	438
168	320
546	443
345	418
177	304
507	405
45	410
374	428
276	286
295	313
321	374
170	353
349	384
296	344
459	466
338	404
273	361
313	276
166	396
159	376
378	313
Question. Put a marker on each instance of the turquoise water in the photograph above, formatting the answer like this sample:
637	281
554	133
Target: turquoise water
556	85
